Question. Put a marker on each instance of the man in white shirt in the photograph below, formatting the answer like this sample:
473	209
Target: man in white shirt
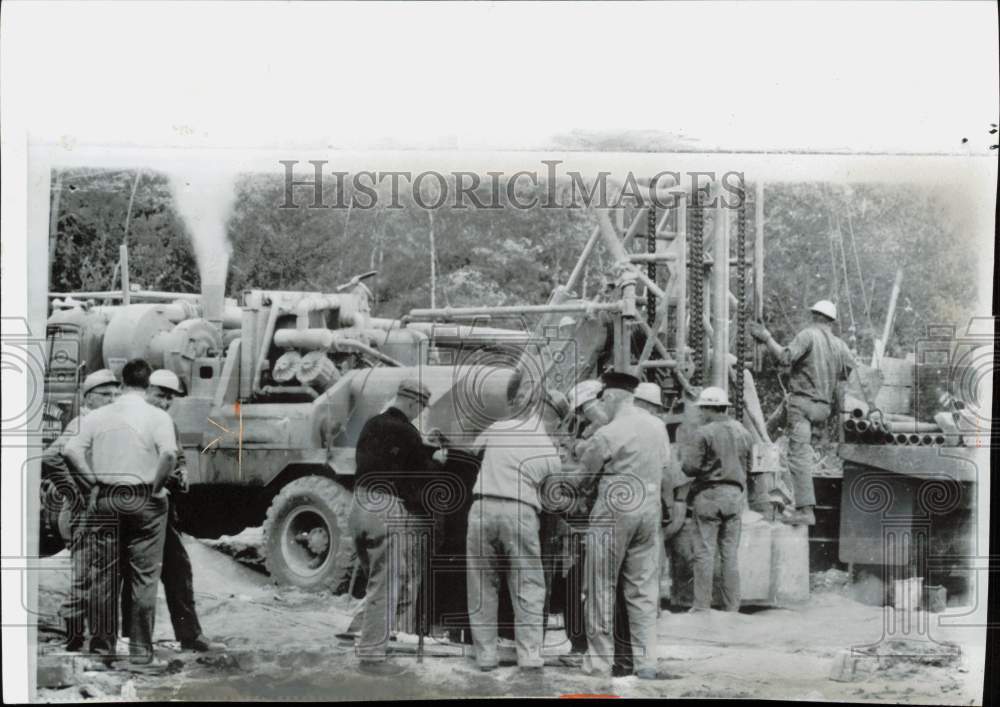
128	450
504	529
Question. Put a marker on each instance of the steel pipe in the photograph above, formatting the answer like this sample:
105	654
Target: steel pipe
913	439
902	439
910	427
450	312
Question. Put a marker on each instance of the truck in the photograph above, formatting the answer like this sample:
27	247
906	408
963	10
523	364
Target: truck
279	384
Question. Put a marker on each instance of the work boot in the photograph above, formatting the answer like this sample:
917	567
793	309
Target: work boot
382	668
202	645
620	671
101	646
74	636
803	516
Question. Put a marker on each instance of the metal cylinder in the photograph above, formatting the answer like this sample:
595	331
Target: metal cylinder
926	440
850	426
902	439
939	439
911	427
862	425
913	438
888	438
286	368
317	371
213	304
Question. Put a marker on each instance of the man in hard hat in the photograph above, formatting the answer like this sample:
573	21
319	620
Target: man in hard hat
818	361
717	457
178	581
392	465
588	417
98	389
628	458
128	449
503	537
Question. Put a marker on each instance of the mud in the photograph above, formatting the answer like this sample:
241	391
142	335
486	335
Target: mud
282	644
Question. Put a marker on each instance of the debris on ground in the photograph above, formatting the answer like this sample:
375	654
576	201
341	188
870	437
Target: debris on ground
281	643
831	580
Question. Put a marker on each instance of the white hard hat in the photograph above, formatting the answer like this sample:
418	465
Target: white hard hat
584	392
826	308
567	321
97	379
649	392
712	397
168	380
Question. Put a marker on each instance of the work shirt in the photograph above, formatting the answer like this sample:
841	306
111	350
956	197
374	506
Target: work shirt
818	360
519	458
633	450
124	440
59	472
717	453
391	454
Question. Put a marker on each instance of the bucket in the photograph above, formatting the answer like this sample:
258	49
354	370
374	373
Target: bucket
907	593
935	598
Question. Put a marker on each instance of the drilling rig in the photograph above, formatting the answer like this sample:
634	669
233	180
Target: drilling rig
279	384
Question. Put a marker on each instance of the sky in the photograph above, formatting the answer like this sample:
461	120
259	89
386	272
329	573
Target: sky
833	76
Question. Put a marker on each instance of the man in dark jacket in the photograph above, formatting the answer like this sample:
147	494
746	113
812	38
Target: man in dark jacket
717	456
392	468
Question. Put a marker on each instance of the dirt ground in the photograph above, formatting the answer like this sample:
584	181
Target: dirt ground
282	645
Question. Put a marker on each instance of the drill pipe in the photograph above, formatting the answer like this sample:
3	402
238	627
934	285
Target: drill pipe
911	427
902	439
913	439
850	426
926	440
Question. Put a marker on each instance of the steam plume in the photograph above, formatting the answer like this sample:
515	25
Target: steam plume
204	198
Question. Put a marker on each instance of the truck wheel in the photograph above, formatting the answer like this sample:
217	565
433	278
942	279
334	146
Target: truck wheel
304	528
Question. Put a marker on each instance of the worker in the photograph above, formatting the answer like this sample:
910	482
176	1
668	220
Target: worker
507	500
628	458
99	389
392	464
178	582
718	457
818	360
588	418
128	449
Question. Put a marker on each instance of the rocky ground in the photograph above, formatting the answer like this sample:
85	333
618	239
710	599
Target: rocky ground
282	645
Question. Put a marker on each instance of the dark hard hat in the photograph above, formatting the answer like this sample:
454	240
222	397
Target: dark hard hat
622	381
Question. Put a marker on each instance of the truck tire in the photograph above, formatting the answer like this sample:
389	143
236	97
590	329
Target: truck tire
306	532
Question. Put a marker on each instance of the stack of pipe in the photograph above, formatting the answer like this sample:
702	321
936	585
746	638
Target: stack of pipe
862	427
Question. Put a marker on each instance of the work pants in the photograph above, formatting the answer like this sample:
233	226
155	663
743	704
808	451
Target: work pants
389	542
178	585
503	544
74	608
716	512
135	520
805	418
574	616
622	546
